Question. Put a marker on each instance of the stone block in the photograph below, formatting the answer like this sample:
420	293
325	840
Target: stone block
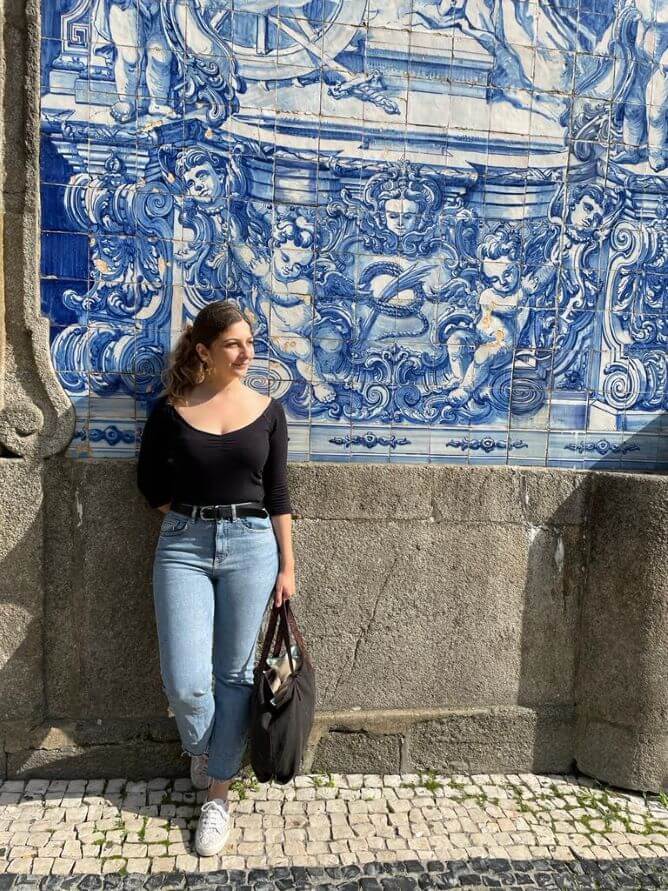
444	615
329	491
110	668
529	496
366	752
132	760
493	740
622	686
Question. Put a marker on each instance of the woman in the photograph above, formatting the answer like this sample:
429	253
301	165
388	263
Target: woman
213	459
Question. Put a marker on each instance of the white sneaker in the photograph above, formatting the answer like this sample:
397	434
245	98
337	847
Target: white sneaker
213	827
198	768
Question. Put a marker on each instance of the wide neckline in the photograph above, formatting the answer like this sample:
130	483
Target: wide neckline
229	432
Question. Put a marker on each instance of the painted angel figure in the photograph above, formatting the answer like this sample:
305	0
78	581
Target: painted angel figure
146	37
645	100
285	275
134	32
503	314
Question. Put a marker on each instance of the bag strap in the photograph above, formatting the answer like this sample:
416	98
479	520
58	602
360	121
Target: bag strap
268	637
284	629
286	623
291	622
283	637
296	632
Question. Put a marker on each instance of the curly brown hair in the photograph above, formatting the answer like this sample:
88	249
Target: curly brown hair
185	368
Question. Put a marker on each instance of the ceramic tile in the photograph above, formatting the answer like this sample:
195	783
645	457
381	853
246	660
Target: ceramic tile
451	242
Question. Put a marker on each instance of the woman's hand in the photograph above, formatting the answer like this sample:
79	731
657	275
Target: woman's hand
285	586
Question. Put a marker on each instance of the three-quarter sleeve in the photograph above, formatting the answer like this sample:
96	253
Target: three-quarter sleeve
153	477
275	472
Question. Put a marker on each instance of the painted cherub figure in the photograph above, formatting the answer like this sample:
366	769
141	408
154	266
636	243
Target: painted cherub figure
503	313
134	33
284	274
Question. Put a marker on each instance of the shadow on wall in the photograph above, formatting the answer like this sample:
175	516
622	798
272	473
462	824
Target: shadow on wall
75	621
595	596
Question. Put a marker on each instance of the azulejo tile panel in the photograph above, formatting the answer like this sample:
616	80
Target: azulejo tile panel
450	219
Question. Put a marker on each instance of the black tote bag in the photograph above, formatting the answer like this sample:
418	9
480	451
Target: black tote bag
281	719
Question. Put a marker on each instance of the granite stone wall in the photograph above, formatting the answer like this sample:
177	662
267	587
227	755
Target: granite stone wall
461	617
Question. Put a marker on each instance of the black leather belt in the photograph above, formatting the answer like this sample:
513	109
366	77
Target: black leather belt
220	511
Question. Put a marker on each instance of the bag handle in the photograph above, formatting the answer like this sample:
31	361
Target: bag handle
268	637
286	622
296	633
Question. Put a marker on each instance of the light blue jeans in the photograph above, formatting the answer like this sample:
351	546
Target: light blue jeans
212	582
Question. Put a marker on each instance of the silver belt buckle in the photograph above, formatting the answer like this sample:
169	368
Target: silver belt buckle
206	516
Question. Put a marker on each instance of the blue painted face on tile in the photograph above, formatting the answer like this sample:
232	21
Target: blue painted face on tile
401	215
447	217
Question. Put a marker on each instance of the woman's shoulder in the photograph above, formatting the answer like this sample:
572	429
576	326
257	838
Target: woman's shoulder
160	407
275	407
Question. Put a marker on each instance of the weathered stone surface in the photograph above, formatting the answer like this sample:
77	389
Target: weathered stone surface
64	734
622	690
137	761
493	740
36	416
100	600
445	615
457	494
358	752
448	613
535	497
398	613
21	645
624	756
357	491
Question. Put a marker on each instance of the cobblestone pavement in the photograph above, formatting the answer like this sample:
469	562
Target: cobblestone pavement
337	831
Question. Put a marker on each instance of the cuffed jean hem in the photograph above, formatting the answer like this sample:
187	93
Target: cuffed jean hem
219	768
223	779
194	754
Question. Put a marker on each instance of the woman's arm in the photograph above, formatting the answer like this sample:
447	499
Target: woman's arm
283	528
277	502
152	468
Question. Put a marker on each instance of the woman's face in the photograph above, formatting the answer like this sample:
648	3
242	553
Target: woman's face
232	351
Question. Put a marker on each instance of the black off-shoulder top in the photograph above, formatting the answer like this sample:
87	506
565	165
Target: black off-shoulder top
178	462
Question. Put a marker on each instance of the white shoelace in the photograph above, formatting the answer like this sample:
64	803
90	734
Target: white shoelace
214	817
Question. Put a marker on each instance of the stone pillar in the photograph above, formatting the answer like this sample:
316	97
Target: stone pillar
36	418
622	688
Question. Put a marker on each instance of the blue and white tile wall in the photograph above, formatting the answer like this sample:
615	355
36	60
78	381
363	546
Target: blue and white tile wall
450	219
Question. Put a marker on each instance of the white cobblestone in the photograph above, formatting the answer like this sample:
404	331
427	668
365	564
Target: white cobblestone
68	827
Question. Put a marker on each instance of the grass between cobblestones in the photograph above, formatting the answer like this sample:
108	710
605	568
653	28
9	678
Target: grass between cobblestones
122	827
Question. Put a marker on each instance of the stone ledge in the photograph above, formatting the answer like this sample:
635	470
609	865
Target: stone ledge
382	740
